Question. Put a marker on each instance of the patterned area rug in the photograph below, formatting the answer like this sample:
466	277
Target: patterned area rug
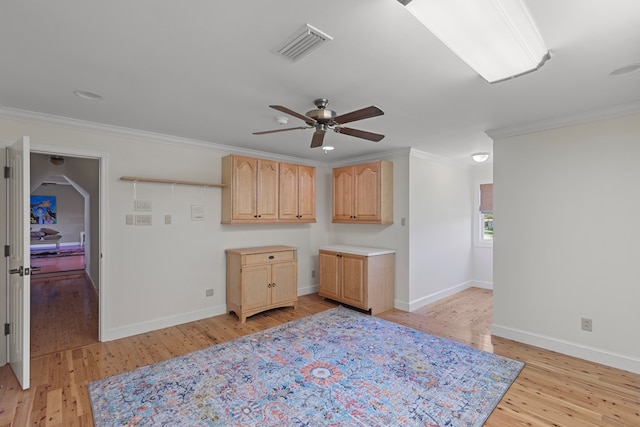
336	368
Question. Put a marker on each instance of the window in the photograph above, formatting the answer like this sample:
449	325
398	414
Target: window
486	212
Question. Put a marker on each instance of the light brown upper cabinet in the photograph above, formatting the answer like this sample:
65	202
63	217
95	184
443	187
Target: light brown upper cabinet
363	193
297	193
250	193
259	191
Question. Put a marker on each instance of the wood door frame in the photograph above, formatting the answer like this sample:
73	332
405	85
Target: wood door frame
103	163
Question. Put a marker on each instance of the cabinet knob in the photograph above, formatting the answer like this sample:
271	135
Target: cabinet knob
273	285
271	257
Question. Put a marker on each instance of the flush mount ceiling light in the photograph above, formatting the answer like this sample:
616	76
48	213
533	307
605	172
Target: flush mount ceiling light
56	160
480	157
497	38
282	120
87	95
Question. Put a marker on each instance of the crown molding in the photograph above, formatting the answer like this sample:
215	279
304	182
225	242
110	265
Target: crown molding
432	157
610	112
386	155
75	124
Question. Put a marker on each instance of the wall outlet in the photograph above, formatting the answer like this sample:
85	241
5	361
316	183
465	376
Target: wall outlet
209	292
313	273
129	219
143	219
587	324
167	219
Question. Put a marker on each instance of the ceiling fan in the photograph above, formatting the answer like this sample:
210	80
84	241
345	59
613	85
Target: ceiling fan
323	119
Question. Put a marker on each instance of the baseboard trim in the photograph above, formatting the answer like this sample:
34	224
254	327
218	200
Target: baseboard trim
306	290
581	351
164	322
482	285
428	299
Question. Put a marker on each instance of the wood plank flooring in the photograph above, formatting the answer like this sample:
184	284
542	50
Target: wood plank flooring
60	264
552	390
64	313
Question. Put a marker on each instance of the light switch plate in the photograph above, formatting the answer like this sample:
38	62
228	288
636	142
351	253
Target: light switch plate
143	219
142	205
129	219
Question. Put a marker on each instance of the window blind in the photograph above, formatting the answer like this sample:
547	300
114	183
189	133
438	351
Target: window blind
486	198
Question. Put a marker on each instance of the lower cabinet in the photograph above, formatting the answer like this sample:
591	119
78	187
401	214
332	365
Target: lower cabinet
261	278
362	281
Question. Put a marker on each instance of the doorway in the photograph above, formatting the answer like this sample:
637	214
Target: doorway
64	291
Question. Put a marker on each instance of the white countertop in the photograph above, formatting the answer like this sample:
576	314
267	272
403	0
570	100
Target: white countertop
358	250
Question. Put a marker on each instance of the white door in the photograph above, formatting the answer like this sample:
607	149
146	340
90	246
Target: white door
19	261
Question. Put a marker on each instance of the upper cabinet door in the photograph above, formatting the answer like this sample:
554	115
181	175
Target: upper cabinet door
288	191
244	188
306	193
343	194
267	194
367	189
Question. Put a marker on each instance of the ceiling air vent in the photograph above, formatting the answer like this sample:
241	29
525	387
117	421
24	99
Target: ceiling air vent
301	43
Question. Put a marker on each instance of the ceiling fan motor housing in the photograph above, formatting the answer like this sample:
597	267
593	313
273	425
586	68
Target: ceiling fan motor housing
321	114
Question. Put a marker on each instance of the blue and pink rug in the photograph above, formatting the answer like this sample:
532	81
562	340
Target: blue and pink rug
335	368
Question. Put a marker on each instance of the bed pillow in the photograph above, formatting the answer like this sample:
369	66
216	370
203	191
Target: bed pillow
52	237
36	234
49	231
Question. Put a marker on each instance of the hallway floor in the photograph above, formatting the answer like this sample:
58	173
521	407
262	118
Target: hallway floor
64	313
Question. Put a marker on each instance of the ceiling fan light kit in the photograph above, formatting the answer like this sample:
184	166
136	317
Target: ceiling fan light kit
323	119
497	38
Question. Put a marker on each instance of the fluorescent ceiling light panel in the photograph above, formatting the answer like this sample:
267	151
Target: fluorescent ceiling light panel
497	38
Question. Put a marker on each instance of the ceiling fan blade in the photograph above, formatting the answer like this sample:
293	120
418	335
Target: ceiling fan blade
280	130
318	138
285	110
361	114
360	134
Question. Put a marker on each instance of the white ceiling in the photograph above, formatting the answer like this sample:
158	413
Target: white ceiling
203	70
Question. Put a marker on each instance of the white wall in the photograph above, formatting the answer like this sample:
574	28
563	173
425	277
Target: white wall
156	276
566	205
439	229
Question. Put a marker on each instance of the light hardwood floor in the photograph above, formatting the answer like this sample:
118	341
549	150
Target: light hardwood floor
48	265
552	389
64	313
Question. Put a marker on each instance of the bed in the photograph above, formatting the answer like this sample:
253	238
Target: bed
46	236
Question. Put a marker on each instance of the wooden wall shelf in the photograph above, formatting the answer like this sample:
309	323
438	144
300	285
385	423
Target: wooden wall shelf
169	181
